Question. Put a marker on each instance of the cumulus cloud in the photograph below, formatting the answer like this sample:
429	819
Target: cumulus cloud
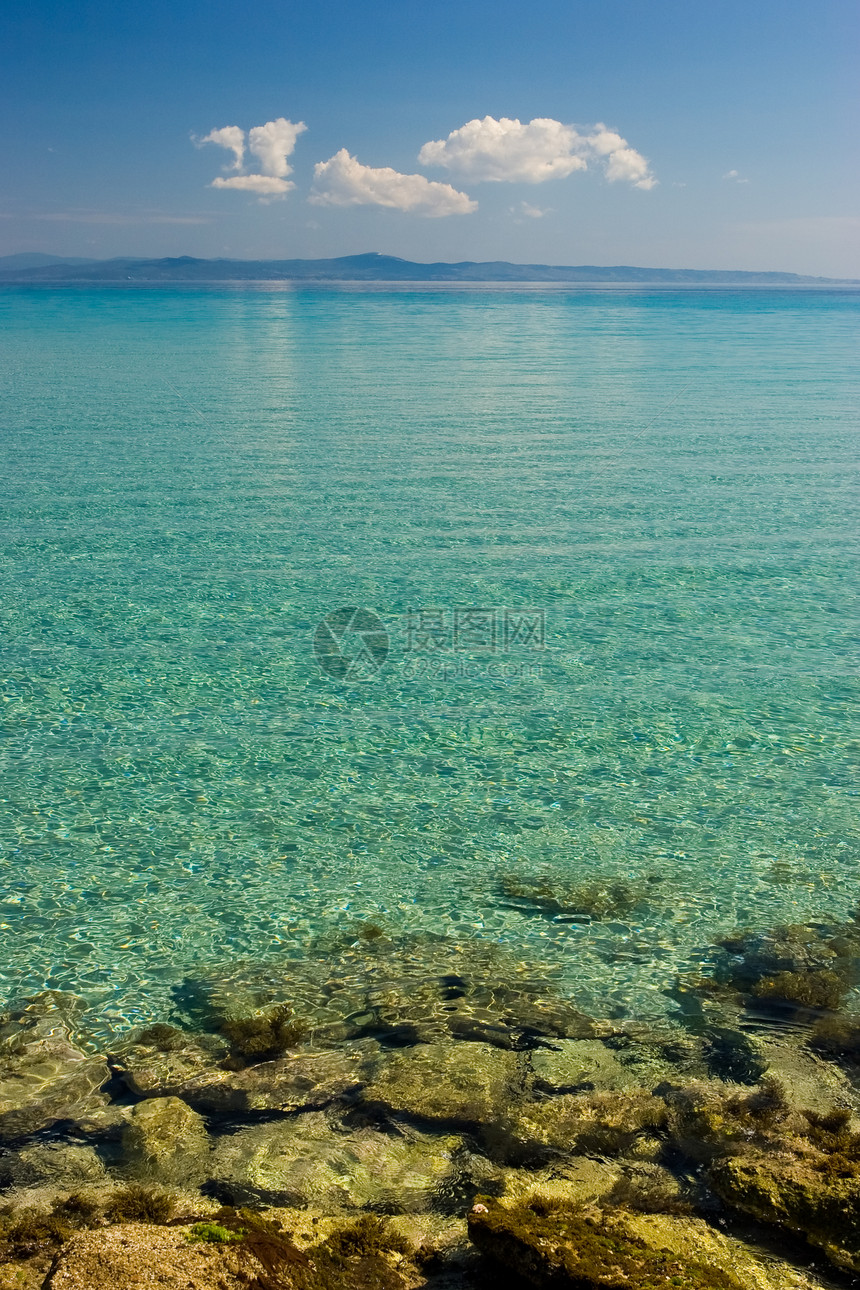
271	144
262	185
621	161
512	151
344	181
736	176
230	137
507	150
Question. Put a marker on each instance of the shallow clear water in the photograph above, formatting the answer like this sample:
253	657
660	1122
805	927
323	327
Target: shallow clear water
663	482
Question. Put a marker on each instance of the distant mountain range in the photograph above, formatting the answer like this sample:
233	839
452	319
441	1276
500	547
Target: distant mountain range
373	267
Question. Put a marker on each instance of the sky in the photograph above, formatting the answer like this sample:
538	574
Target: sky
676	133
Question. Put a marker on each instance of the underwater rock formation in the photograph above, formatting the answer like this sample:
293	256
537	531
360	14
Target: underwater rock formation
312	1160
235	1250
596	899
45	1076
196	1074
166	1142
552	1244
804	967
469	1085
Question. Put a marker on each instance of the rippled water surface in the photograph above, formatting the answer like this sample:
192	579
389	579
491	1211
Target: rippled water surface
649	495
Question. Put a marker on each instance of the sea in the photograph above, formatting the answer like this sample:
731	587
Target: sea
327	608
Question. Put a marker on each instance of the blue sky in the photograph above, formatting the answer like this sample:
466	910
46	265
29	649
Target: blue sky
729	140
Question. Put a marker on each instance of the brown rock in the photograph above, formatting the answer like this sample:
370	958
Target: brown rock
136	1256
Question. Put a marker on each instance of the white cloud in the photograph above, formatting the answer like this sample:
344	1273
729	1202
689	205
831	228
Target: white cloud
531	212
262	185
508	150
622	161
273	142
736	176
344	181
230	137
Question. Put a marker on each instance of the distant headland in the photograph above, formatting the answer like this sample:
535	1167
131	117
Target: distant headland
373	267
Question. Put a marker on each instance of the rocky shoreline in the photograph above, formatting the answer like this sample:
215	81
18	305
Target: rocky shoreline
404	1113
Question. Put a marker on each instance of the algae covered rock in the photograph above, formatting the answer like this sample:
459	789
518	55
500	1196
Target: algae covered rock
234	1251
592	898
161	1060
600	1123
307	1079
454	1083
45	1076
790	1167
572	1064
794	1194
137	1254
165	1141
309	1160
199	1069
403	990
803	967
553	1244
54	1164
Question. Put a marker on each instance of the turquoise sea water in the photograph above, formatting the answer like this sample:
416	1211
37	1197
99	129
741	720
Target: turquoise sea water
652	491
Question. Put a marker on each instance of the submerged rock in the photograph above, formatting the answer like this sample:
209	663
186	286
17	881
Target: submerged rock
309	1160
794	1194
45	1077
553	1244
161	1060
594	1123
53	1164
165	1142
790	969
794	1168
407	990
458	1084
572	1064
595	898
194	1069
303	1081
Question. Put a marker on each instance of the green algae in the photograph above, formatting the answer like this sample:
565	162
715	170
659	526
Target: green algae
215	1234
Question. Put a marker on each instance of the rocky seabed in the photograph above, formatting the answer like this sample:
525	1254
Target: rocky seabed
396	1114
